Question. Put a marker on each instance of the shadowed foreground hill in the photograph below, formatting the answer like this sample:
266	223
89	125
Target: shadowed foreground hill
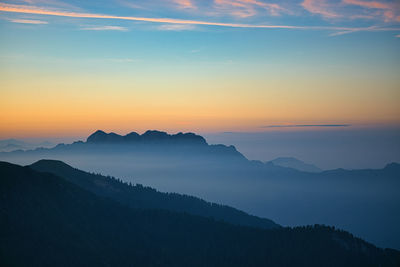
48	221
140	197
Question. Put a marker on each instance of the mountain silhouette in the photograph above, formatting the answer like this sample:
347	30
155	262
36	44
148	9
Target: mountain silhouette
139	197
290	162
350	199
8	145
151	136
48	221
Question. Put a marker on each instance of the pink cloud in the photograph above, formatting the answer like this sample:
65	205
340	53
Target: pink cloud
372	10
184	3
389	15
319	7
367	4
56	12
385	11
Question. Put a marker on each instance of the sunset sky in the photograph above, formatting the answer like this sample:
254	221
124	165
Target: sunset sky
71	67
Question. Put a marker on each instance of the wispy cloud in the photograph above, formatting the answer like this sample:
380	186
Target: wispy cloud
370	10
398	36
368	4
28	21
247	8
104	28
306	125
184	3
320	7
176	27
387	11
372	28
56	12
53	3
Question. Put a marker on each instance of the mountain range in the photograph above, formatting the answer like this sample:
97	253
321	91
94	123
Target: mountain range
87	219
364	202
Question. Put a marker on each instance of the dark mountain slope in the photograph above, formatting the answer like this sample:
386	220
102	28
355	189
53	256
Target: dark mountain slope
47	221
140	197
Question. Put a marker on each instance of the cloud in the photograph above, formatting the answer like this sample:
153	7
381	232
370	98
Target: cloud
104	28
372	28
246	8
319	7
176	27
160	4
370	10
53	3
307	125
28	21
367	4
387	12
56	12
398	36
360	16
184	3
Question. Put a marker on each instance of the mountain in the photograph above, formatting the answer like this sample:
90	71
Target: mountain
8	145
48	221
364	202
290	162
139	197
151	136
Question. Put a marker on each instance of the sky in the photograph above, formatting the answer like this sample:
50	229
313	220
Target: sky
68	68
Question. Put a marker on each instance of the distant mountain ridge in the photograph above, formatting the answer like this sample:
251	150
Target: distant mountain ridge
183	145
290	162
8	145
150	136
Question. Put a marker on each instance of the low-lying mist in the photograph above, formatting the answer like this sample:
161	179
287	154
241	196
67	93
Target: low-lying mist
364	202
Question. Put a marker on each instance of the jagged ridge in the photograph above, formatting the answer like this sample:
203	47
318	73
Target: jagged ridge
150	136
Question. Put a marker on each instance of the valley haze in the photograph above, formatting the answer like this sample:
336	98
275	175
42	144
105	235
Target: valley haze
364	202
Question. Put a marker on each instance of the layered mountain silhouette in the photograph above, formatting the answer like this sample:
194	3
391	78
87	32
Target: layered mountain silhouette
151	139
364	202
139	197
49	221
